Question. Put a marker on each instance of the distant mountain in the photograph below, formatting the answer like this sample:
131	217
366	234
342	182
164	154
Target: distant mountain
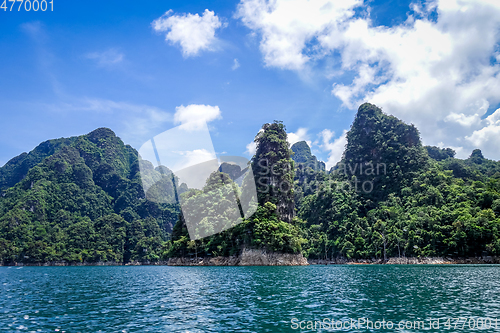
309	172
80	199
233	170
302	155
476	167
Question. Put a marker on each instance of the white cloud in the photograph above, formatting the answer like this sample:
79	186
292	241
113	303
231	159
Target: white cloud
463	119
300	135
335	149
193	33
194	157
194	116
236	64
109	57
440	72
193	167
251	148
488	137
286	26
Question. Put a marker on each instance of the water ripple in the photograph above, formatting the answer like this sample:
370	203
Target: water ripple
238	299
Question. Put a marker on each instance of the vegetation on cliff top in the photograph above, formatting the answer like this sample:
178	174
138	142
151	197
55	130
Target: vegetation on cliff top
273	227
81	199
412	204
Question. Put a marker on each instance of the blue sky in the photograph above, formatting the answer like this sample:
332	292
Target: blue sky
240	64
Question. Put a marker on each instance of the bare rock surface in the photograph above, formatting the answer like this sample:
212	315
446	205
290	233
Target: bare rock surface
248	257
408	261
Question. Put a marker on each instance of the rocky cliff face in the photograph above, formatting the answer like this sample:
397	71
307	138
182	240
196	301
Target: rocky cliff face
248	257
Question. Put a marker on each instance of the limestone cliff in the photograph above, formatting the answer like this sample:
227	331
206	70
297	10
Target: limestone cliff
248	257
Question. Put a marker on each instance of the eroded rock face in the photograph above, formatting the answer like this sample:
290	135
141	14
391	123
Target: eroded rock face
262	258
422	261
248	257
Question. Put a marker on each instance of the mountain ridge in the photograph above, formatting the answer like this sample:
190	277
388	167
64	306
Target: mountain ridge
80	200
90	183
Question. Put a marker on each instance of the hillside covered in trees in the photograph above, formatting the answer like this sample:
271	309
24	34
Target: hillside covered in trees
81	200
273	227
398	198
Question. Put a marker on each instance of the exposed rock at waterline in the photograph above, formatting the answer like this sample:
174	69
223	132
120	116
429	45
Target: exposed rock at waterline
248	257
408	261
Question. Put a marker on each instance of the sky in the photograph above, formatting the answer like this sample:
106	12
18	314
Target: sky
143	69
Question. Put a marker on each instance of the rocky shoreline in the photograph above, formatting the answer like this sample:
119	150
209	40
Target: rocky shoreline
251	257
248	257
408	261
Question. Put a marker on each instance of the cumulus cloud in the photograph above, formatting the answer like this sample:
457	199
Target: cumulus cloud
488	136
334	148
109	57
463	119
192	32
440	69
194	116
286	26
251	148
300	135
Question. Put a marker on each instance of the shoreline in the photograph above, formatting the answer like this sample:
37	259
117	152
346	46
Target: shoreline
262	258
248	257
488	260
101	263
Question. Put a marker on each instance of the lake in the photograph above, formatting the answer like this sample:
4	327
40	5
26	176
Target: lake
250	299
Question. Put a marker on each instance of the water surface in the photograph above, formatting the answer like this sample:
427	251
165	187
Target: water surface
244	299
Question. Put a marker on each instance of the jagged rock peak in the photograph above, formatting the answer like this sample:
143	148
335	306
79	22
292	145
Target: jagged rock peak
302	152
101	133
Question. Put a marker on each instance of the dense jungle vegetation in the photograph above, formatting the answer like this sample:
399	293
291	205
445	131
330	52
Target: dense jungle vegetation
81	199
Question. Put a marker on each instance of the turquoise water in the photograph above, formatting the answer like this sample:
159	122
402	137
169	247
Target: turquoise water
247	299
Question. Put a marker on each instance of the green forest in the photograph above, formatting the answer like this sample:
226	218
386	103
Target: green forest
80	199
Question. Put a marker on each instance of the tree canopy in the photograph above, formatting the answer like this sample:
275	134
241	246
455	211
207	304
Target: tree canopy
81	199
